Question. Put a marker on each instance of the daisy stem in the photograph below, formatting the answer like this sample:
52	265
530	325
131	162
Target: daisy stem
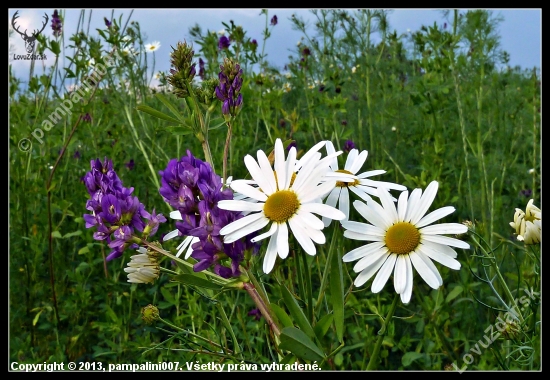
327	268
373	361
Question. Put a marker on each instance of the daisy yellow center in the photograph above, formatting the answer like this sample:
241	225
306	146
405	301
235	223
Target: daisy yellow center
281	205
402	238
346	184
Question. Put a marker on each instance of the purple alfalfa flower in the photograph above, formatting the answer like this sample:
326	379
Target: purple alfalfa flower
130	164
121	241
229	88
153	222
224	42
57	25
77	155
202	70
274	20
107	22
111	211
87	118
349	145
291	145
256	313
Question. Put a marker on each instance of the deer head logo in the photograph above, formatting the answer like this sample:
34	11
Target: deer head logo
29	40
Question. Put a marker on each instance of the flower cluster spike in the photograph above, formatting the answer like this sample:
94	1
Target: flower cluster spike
115	212
229	88
183	69
194	190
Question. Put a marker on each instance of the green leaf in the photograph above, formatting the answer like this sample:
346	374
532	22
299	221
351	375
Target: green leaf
410	357
297	342
322	325
337	294
83	250
55	48
35	319
169	105
168	296
296	312
56	234
153	112
71	234
454	293
288	359
191	279
281	315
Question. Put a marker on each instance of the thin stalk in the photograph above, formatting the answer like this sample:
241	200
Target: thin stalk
264	308
226	150
373	361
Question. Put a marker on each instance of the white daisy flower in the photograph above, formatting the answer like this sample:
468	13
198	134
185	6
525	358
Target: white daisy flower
401	239
153	46
281	202
361	185
143	268
188	241
528	224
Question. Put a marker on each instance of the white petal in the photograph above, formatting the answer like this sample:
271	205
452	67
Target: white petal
309	153
171	234
363	228
290	164
280	163
387	203
330	149
387	185
323	210
402	205
318	192
267	171
429	274
407	293
352	156
445	240
429	263
374	213
444	228
310	219
442	248
435	215
358	162
331	200
439	257
370	173
249	191
270	255
383	274
400	274
362	251
363	237
256	172
176	215
412	204
344	202
282	241
239	224
367	273
302	237
358	190
370	259
270	232
316	235
234	205
425	202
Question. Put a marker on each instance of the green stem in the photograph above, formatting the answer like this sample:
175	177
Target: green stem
373	362
327	268
264	308
226	150
227	325
193	335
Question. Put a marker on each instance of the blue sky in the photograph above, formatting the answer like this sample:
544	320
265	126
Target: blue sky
520	31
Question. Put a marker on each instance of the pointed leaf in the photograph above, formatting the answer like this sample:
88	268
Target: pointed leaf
153	112
190	279
169	105
297	342
296	312
281	315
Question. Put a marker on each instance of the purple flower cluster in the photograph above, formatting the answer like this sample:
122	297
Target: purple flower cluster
56	24
224	42
228	91
115	212
349	145
191	186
